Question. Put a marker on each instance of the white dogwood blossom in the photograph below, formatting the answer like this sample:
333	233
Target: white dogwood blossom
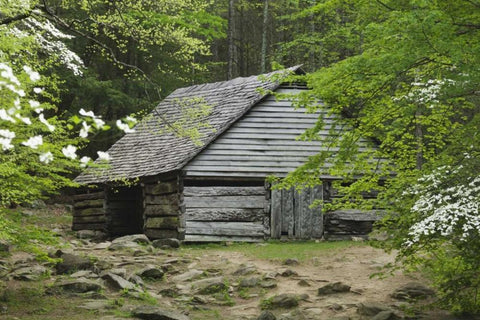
84	130
446	210
42	119
84	161
103	156
34	142
70	152
46	157
124	127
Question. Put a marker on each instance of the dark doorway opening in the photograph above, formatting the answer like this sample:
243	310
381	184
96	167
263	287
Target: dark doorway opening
124	210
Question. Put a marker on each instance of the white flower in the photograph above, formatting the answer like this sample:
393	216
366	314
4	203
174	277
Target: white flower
34	76
34	104
99	123
37	90
124	127
16	103
25	120
84	130
42	119
84	161
46	157
33	142
86	113
70	151
131	119
5	116
7	133
103	156
6	143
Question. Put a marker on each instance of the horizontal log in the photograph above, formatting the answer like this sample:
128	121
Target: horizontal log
248	229
161	233
161	210
170	199
88	226
225	202
162	188
89	212
95	203
89	196
162	223
206	238
223	191
90	219
224	214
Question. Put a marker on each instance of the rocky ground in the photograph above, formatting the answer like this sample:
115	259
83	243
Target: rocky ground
132	277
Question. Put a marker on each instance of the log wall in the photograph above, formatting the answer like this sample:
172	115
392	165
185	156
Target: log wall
164	209
226	213
89	211
345	224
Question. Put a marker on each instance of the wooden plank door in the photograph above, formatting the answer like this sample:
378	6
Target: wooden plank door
291	215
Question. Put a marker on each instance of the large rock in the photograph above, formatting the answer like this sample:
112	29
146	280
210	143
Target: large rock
80	285
138	238
245	269
72	263
115	282
284	300
209	285
333	288
189	275
249	282
412	291
170	242
30	273
155	313
371	309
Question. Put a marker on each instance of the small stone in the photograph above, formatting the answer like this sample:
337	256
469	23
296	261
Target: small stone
102	245
289	273
155	313
187	276
303	283
266	315
209	285
335	307
245	269
284	300
151	272
116	282
249	282
124	245
413	290
80	285
97	305
84	274
386	315
168	243
331	288
30	273
268	284
122	272
291	262
371	308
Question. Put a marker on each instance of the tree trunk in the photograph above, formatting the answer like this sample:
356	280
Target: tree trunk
231	40
264	37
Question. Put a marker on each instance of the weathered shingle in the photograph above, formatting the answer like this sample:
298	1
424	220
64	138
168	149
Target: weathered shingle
152	149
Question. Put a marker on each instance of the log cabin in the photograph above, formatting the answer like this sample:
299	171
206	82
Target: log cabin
197	167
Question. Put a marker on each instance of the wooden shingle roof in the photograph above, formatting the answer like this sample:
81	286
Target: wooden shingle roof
155	149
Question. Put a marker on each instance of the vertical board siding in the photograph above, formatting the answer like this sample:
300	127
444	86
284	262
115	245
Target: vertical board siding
263	142
292	215
220	213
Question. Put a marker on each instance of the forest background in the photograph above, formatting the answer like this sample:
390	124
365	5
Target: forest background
403	73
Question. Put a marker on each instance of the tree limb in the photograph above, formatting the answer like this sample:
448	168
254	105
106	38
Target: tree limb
19	17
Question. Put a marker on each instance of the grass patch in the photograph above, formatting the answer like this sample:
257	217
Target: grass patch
276	250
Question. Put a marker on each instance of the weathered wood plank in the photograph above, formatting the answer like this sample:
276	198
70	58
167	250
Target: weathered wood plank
162	188
162	223
283	148
276	214
89	212
89	196
225	202
268	125
161	210
287	212
224	214
248	229
263	119
169	199
223	191
265	164
225	168
206	238
317	213
260	130
232	140
89	203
